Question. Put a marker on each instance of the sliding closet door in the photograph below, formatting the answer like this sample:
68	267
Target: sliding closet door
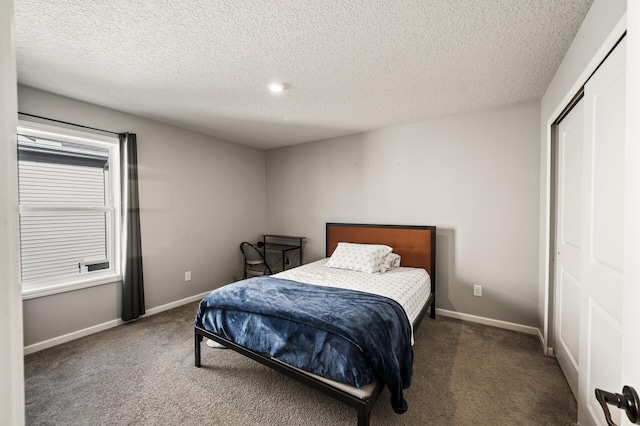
603	238
569	154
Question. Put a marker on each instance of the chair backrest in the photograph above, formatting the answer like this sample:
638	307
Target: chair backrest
251	254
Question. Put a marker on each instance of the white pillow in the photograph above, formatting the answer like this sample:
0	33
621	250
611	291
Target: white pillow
358	257
390	261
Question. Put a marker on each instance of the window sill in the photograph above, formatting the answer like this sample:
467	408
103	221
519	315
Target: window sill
30	291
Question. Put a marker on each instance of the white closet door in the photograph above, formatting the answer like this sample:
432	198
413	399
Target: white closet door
603	238
631	313
570	143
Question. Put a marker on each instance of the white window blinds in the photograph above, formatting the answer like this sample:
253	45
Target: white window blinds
61	245
60	185
66	212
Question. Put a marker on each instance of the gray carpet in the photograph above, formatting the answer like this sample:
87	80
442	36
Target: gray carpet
143	374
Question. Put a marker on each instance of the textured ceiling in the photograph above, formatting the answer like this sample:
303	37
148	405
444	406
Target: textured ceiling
352	65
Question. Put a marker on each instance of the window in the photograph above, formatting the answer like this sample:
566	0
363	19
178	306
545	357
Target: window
69	207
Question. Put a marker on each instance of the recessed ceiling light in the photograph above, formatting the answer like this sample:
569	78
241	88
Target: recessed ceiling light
276	87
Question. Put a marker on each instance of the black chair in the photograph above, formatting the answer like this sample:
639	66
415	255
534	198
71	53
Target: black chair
254	262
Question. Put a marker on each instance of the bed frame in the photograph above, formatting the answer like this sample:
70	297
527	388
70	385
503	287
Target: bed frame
417	247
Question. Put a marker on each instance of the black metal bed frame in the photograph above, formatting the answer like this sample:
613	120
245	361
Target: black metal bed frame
363	405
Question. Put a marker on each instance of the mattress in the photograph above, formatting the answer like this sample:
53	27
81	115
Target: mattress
410	287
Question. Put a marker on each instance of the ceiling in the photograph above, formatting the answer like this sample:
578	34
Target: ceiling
350	65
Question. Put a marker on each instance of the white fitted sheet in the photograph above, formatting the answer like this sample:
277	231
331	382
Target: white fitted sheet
410	287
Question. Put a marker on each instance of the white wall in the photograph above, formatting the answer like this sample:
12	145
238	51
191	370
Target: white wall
199	198
11	365
475	176
585	53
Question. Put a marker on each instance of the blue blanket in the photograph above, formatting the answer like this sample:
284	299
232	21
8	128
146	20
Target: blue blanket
344	335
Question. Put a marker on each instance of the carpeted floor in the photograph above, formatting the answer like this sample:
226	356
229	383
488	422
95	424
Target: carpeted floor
143	374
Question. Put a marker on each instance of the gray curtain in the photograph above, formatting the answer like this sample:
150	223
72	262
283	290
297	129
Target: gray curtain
132	282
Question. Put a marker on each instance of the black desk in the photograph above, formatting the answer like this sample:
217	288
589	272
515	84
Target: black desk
282	245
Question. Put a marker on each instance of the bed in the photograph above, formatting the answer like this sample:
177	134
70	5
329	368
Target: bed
416	245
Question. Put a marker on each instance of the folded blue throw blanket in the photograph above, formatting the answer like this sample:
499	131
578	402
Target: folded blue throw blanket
344	335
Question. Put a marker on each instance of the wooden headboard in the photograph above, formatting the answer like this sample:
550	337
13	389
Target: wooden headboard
415	244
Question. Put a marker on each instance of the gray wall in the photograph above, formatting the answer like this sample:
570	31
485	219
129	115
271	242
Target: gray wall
199	198
475	176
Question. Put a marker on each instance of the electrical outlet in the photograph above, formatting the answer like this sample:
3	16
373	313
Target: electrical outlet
187	276
477	290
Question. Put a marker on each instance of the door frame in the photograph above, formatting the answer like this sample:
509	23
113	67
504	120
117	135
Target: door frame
563	107
11	359
631	316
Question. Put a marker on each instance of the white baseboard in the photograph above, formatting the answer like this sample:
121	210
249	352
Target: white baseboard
175	304
116	322
71	336
492	322
106	325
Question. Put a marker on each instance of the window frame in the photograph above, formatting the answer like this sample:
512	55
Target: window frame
47	287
